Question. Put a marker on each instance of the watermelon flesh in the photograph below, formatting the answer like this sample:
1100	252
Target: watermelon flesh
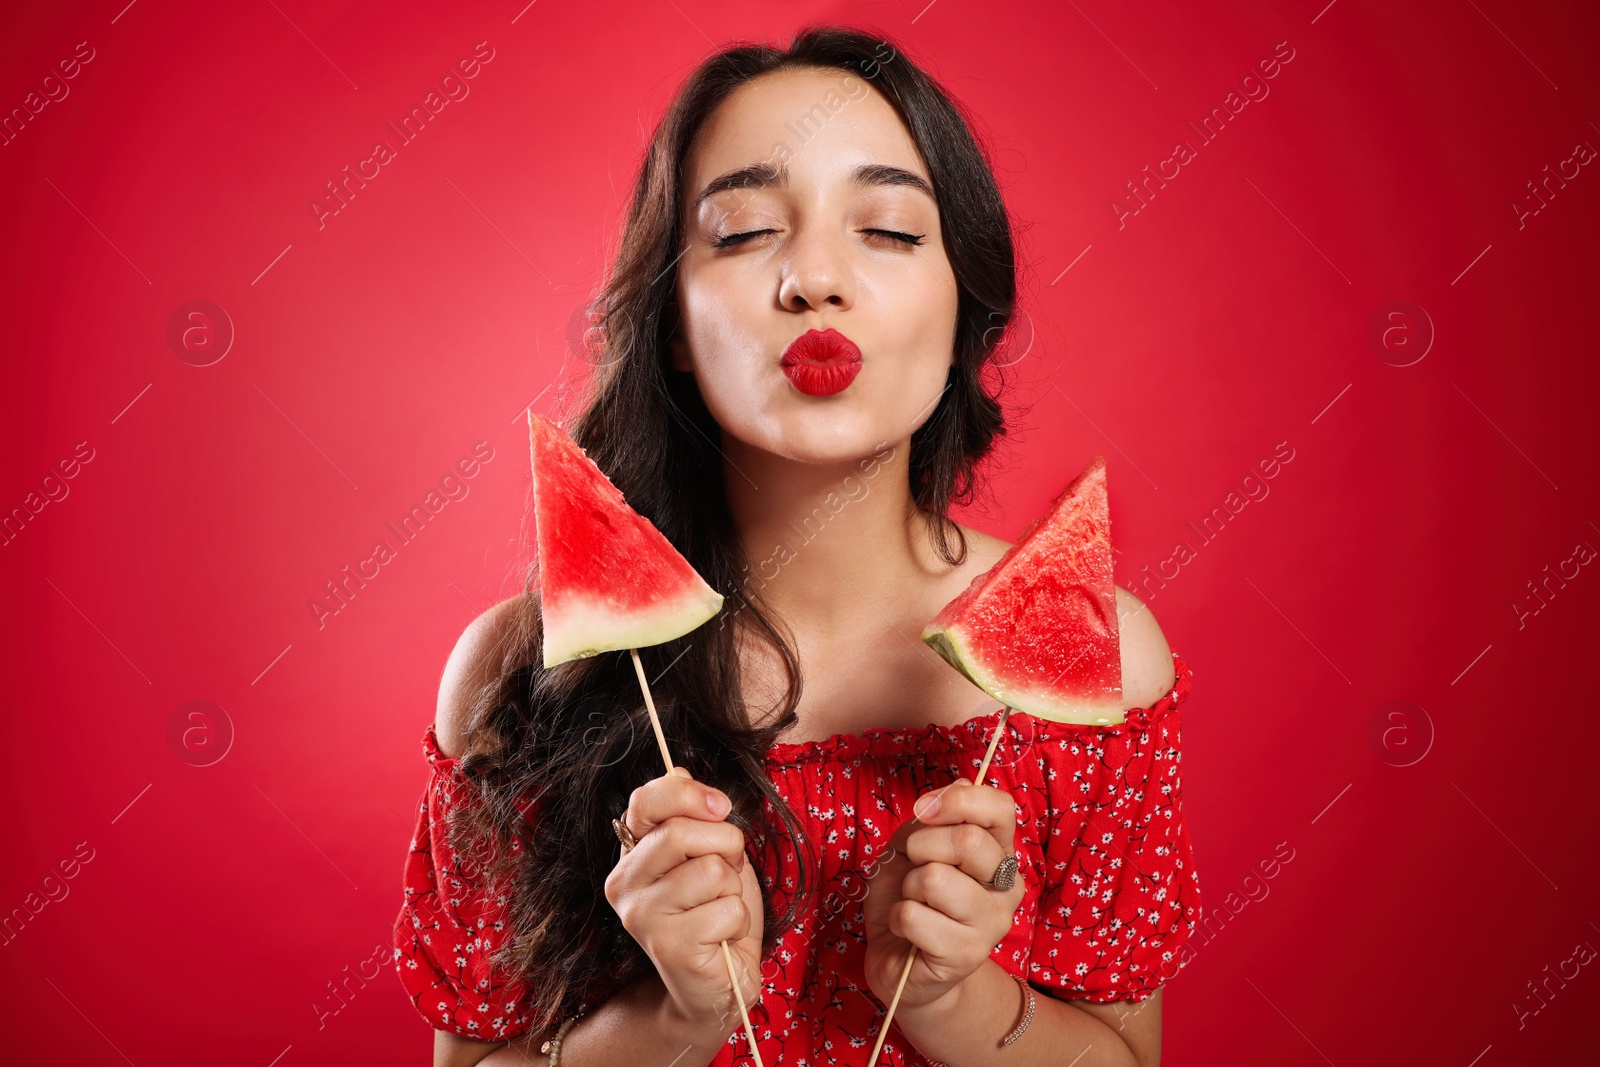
1038	630
608	579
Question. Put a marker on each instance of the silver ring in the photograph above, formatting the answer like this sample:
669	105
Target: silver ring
1005	875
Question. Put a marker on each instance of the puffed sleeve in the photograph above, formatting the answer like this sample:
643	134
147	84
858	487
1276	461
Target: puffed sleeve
450	924
1120	895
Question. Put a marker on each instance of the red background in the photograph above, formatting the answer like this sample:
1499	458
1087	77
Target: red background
1229	315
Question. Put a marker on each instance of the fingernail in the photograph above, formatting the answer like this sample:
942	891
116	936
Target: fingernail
717	803
927	805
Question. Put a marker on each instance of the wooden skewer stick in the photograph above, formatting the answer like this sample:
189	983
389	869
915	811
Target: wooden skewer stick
727	955
905	973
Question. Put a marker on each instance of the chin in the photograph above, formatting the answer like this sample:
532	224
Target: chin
834	437
841	428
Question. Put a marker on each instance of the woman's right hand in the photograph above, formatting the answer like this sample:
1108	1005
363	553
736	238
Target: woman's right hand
682	890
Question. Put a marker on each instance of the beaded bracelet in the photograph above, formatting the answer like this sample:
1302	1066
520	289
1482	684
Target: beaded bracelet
1027	1017
553	1045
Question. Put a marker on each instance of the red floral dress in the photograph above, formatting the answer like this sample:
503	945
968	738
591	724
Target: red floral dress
1111	892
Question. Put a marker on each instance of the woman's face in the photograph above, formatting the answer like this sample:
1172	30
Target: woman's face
820	256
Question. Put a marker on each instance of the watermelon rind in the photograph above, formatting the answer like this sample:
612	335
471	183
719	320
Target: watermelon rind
586	626
1037	702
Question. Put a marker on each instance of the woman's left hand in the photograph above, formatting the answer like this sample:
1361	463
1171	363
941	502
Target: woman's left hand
928	893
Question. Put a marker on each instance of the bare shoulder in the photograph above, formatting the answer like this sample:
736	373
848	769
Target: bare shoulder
983	550
1147	671
472	663
451	1050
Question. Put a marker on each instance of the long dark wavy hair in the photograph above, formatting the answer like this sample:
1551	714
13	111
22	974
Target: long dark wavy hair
575	740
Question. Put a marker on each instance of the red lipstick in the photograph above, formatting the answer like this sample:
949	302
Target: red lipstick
821	362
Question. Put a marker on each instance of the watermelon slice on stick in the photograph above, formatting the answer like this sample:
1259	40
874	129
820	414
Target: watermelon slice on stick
609	580
1038	630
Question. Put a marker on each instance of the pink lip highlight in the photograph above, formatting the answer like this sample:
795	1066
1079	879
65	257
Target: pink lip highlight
821	362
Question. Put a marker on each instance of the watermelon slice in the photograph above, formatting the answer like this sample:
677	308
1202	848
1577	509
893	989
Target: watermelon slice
1038	630
608	579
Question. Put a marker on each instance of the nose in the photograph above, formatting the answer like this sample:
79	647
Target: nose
816	273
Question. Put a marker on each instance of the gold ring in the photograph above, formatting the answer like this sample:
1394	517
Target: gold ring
624	834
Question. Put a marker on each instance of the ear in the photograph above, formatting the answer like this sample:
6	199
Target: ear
679	358
680	352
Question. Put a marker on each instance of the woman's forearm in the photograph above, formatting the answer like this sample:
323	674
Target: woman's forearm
638	1025
966	1025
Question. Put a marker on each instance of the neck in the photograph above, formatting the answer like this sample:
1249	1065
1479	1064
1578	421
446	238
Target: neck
827	544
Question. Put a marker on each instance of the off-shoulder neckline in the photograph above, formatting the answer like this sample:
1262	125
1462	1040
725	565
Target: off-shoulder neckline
435	755
974	733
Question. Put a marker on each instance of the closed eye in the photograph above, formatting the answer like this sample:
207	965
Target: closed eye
733	239
736	238
907	238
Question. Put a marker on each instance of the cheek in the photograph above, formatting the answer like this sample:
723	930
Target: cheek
725	354
721	344
717	304
726	382
919	306
921	292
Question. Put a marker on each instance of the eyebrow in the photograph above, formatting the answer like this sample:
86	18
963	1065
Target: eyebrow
768	175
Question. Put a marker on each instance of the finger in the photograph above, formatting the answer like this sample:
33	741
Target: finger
677	796
692	883
953	893
988	807
670	795
966	846
680	840
721	918
935	934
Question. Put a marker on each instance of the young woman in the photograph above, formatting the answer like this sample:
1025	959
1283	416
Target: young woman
797	208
